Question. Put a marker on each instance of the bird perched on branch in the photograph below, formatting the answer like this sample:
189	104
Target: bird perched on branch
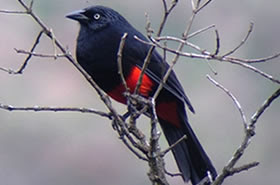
101	29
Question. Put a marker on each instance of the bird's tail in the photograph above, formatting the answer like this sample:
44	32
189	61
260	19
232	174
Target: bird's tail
192	160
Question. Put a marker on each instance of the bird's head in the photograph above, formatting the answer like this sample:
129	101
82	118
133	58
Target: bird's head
97	18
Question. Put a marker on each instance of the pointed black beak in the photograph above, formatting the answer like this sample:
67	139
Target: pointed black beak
78	16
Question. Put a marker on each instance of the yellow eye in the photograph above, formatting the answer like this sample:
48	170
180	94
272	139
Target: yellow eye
96	16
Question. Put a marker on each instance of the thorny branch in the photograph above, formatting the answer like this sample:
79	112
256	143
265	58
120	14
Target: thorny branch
131	136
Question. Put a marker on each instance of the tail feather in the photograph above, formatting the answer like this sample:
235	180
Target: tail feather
190	157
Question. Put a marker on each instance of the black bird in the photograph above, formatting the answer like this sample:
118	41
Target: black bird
101	29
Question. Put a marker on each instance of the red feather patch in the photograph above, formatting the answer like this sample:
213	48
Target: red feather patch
131	81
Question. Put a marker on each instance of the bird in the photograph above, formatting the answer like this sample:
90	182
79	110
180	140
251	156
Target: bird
101	30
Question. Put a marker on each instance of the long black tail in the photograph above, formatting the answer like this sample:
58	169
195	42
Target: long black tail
193	162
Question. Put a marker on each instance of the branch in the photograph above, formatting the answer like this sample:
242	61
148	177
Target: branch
242	42
20	51
120	68
264	106
249	130
234	99
54	109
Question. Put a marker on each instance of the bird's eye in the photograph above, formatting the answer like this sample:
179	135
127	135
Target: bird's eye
96	16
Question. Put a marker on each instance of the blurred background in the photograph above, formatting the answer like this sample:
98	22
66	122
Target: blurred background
50	148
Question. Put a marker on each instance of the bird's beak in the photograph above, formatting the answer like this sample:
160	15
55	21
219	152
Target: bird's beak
78	16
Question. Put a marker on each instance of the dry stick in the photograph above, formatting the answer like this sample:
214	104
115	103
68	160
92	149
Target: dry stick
12	12
258	60
217	43
173	174
203	5
234	99
247	66
264	106
10	71
54	109
163	153
53	42
242	42
37	40
242	168
119	54
189	36
20	51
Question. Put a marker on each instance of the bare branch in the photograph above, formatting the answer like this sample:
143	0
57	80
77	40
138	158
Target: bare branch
264	106
173	174
258	60
234	99
20	51
201	31
202	6
242	168
12	12
164	152
10	71
54	109
217	43
37	40
119	54
242	42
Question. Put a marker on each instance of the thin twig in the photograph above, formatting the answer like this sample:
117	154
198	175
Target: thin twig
164	152
173	174
234	99
242	168
201	31
20	51
258	60
217	43
264	106
12	12
242	42
119	54
10	71
54	109
202	6
53	43
37	40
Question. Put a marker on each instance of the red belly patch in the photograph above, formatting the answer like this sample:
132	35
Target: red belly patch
131	81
